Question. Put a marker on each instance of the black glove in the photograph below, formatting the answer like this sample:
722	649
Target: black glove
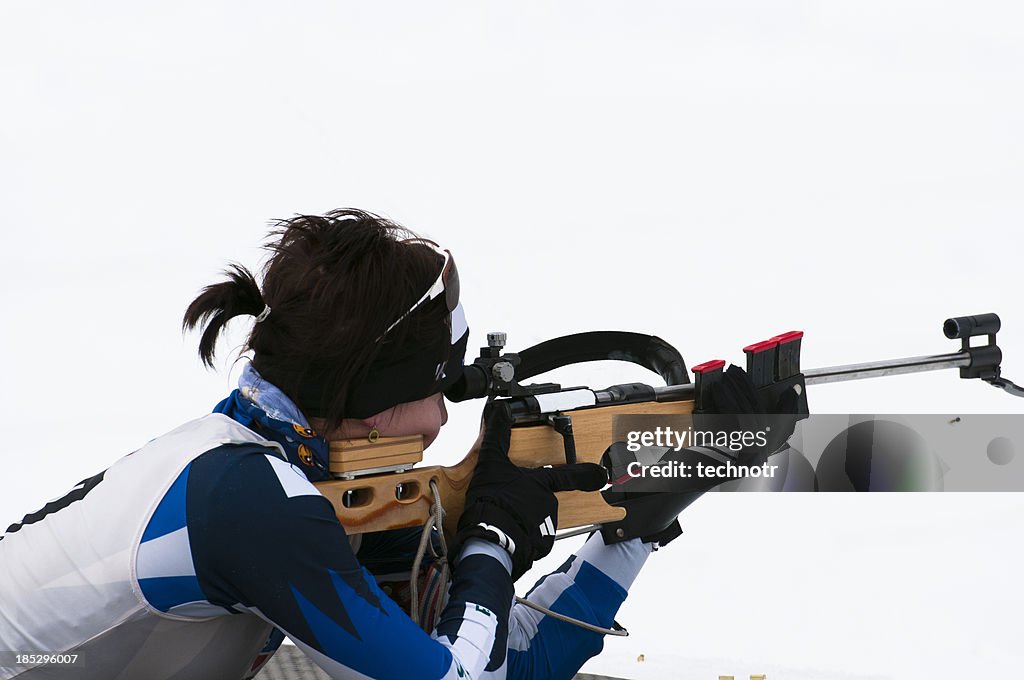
730	404
513	507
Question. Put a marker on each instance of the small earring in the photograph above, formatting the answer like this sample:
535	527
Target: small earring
374	435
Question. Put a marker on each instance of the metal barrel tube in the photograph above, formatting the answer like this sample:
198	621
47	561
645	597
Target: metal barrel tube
669	393
879	369
871	369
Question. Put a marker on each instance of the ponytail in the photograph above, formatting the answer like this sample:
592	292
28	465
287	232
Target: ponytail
220	302
336	283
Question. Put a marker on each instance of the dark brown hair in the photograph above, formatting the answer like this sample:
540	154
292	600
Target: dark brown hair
334	284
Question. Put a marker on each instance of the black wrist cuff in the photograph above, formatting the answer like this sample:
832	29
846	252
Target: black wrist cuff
494	525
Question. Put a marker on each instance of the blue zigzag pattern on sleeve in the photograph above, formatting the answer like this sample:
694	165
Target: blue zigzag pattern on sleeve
375	656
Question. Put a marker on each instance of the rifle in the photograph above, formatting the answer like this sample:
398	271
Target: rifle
379	487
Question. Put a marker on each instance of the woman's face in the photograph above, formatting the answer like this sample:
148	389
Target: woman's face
424	417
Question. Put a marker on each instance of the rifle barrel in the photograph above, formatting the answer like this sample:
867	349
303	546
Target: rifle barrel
880	369
831	374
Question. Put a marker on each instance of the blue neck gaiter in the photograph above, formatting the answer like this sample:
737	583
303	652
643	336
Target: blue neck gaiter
267	411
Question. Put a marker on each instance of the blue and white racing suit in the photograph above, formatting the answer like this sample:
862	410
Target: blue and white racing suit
192	558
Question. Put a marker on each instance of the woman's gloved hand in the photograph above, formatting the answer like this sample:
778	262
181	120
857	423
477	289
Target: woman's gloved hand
734	404
765	417
513	507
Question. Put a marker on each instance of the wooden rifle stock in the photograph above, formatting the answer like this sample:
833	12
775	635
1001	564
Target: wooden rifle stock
394	500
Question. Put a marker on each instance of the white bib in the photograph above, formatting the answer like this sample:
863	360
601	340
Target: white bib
68	580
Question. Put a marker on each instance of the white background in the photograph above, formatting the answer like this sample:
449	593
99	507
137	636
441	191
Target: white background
713	173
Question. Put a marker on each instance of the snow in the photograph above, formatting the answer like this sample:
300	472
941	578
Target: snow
710	172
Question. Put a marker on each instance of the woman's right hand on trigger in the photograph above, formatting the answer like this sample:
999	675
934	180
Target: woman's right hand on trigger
513	507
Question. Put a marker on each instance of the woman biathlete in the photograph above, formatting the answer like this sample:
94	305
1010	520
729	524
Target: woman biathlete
194	556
